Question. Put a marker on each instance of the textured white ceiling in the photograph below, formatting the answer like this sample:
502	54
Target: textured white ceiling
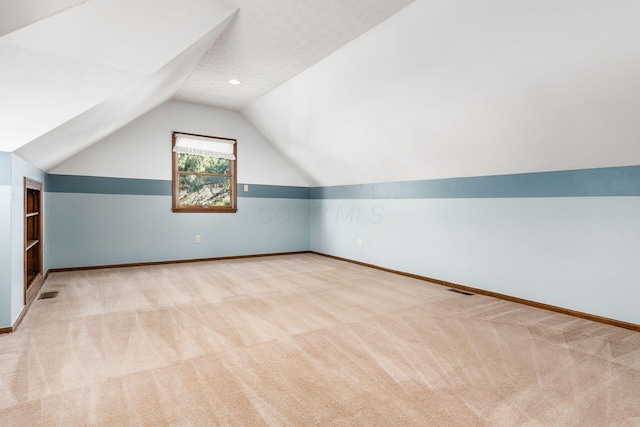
270	42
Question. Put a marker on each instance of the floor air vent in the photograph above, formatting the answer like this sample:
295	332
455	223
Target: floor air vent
48	295
458	291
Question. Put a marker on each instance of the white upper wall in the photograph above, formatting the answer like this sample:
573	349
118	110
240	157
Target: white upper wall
466	88
142	149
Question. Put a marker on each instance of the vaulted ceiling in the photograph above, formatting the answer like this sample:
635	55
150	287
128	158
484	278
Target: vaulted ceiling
347	91
82	69
77	76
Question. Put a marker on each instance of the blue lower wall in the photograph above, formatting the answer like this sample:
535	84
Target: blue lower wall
5	255
577	253
109	227
569	239
5	239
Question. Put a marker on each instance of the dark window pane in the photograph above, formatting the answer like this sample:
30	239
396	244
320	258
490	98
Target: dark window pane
197	190
194	163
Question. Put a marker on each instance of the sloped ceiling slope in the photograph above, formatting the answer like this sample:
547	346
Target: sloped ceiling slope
466	88
20	13
79	75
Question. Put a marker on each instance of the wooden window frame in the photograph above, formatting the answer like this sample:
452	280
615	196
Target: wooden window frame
233	168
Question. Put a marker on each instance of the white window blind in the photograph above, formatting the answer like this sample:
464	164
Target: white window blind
204	146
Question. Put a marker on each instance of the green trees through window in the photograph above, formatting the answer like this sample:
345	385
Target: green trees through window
203	181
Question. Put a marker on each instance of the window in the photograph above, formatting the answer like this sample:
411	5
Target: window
204	173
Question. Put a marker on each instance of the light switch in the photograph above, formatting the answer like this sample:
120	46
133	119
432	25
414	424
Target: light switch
246	187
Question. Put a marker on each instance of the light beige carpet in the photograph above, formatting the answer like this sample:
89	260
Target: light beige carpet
305	340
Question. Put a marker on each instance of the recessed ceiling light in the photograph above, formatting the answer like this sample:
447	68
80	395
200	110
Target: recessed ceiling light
235	81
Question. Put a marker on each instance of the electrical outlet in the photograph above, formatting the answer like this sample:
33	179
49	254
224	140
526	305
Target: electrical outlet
246	187
359	241
198	239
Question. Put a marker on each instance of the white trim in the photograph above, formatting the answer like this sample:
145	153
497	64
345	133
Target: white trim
204	146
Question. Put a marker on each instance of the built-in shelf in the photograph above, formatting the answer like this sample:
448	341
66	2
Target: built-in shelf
33	275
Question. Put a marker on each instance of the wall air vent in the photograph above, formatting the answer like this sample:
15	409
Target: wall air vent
458	291
48	295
